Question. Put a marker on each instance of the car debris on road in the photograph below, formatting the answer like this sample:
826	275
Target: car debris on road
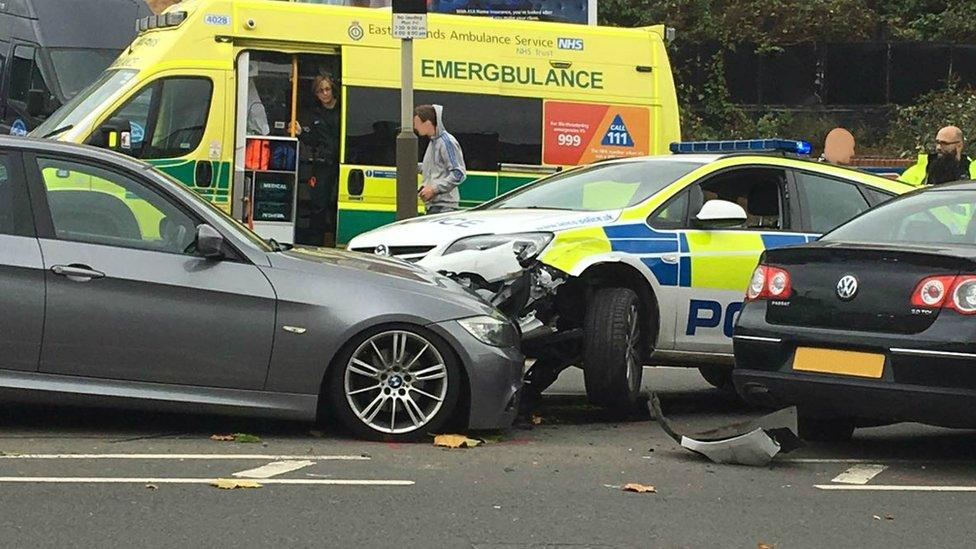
754	443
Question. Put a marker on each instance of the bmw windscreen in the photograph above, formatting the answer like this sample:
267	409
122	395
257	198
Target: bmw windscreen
933	217
611	186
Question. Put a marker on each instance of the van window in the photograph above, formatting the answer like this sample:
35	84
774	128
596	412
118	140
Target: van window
25	74
491	129
168	117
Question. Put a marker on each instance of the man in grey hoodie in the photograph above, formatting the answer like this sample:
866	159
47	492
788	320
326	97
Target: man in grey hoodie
443	166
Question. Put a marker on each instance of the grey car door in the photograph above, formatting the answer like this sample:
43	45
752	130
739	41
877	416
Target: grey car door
21	272
128	299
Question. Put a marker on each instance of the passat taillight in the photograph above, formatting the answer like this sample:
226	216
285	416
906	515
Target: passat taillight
950	292
769	283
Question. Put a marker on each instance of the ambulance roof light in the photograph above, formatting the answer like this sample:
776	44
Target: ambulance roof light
161	21
793	146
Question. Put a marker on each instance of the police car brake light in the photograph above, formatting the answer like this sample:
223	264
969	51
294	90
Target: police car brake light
792	146
770	283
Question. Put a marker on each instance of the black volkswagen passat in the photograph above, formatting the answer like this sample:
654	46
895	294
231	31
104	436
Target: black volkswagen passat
875	323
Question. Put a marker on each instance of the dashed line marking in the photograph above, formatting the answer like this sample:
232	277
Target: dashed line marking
268	457
860	474
147	480
273	469
894	488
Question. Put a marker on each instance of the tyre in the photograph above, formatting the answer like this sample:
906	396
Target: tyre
719	377
612	363
825	429
394	383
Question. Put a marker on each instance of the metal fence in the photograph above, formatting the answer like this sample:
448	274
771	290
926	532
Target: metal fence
831	74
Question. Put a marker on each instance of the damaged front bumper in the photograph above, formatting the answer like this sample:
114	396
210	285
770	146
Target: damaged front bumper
523	290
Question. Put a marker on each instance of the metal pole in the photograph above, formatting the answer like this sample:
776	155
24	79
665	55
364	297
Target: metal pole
406	144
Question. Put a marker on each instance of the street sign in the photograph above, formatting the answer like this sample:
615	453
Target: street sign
409	19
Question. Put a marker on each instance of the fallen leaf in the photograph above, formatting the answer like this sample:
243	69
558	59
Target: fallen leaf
455	441
236	437
232	483
536	420
152	486
639	488
244	437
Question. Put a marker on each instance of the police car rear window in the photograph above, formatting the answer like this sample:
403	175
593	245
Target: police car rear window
600	187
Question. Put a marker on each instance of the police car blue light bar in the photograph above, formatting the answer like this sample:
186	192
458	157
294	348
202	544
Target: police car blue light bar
742	145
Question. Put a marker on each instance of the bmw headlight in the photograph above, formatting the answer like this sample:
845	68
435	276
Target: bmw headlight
493	331
527	245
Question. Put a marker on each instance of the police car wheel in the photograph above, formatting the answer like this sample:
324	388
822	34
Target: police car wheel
824	429
612	357
396	382
719	377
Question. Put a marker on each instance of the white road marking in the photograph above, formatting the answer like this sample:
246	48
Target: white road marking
830	460
134	480
273	469
269	457
860	474
895	488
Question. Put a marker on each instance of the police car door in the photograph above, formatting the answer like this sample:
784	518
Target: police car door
716	263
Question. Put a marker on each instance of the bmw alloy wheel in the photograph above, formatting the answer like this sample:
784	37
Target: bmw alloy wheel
396	382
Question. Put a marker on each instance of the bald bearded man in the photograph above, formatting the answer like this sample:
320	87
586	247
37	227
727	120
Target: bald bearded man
948	163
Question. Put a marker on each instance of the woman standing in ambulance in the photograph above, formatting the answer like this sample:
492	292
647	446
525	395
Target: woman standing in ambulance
319	136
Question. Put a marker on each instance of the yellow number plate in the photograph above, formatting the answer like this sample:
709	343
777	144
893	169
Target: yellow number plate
829	361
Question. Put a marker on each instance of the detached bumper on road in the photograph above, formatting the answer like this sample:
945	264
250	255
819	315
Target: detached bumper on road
494	377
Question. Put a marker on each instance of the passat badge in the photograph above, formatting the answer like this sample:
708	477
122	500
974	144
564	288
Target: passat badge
847	287
381	250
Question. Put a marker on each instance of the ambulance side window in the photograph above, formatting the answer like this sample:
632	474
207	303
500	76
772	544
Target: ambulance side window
168	117
758	190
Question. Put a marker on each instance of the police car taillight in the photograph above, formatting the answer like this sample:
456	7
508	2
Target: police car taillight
951	292
769	283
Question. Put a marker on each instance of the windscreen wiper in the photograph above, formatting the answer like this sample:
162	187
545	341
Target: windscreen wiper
60	130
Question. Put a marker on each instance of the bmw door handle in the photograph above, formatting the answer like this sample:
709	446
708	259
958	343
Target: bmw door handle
76	272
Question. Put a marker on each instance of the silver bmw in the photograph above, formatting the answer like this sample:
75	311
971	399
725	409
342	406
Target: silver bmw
119	286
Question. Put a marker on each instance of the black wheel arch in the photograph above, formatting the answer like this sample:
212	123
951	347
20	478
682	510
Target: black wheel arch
614	275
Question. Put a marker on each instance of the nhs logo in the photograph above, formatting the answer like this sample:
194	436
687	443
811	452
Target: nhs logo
570	44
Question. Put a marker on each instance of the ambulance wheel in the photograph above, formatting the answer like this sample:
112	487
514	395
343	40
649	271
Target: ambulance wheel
719	377
612	365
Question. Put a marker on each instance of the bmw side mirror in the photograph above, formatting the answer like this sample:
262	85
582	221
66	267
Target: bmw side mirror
720	214
210	243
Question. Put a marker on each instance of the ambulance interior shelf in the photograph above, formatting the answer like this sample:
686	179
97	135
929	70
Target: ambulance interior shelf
271	180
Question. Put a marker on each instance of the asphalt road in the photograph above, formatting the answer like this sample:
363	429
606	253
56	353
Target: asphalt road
63	483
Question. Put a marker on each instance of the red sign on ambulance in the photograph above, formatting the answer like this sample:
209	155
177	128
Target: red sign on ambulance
580	133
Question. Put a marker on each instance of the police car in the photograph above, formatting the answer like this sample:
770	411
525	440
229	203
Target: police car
636	261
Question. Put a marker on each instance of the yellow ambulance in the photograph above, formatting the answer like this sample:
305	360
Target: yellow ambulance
216	94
